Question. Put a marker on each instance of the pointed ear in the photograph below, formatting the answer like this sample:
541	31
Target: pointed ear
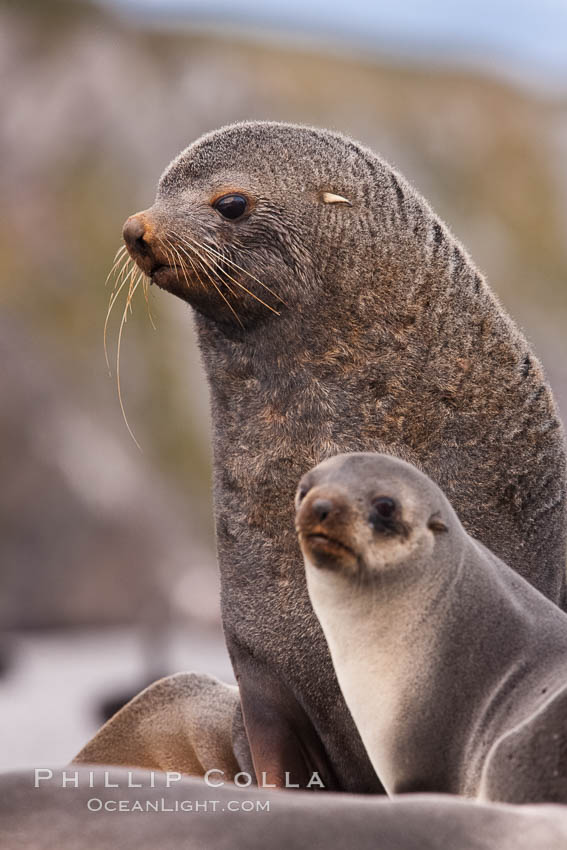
436	524
329	198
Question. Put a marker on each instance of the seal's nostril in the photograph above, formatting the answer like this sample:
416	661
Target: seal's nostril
133	233
322	508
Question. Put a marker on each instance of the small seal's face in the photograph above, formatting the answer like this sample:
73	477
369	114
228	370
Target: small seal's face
244	221
364	514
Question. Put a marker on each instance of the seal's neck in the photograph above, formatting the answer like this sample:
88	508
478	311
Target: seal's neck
409	303
374	357
412	660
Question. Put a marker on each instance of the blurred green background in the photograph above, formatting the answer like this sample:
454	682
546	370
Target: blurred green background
95	102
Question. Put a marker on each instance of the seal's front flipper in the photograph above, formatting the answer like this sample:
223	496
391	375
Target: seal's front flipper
240	743
180	723
286	750
529	763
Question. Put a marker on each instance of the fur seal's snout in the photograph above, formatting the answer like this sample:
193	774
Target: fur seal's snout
138	235
133	232
322	508
323	524
145	237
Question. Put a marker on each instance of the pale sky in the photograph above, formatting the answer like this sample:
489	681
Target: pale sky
529	36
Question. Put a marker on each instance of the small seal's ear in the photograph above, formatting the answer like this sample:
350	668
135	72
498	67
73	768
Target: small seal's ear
436	524
329	198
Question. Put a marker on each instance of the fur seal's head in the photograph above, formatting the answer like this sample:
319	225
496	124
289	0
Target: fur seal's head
367	514
260	218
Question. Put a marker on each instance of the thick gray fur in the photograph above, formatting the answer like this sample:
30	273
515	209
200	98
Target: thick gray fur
388	339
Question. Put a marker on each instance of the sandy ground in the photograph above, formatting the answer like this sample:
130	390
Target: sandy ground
50	695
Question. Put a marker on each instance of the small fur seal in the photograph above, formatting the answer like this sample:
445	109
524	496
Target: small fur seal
454	668
105	807
336	312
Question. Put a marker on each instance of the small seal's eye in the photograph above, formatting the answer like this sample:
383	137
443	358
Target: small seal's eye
302	493
384	507
231	206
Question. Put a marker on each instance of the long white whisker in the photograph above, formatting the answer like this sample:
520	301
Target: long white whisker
109	311
122	323
212	268
226	301
212	280
118	258
196	246
231	262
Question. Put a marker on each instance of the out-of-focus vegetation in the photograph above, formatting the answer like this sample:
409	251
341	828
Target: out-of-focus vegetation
93	108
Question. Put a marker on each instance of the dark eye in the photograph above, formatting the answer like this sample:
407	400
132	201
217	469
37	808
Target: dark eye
384	507
231	206
302	492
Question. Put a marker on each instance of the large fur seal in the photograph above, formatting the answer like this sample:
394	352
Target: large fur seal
454	668
335	312
94	809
